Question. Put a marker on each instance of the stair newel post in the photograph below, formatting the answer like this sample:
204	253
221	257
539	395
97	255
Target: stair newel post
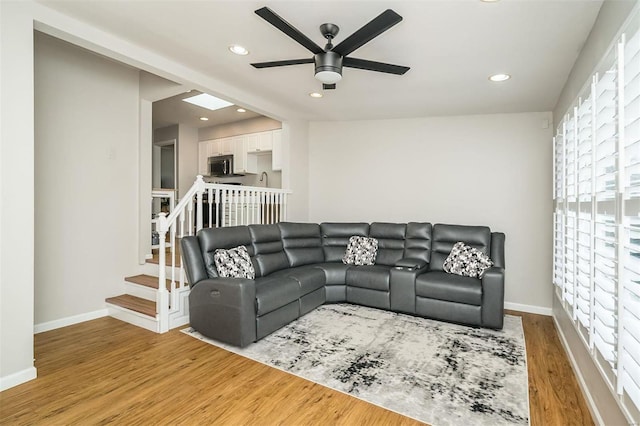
199	190
162	297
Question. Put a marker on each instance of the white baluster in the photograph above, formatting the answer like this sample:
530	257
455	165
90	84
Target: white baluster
218	211
162	297
210	206
284	207
224	206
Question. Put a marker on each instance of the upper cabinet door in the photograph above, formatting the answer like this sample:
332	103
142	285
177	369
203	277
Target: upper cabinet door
260	142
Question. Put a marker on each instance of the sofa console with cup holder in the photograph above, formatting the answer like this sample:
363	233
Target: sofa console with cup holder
248	281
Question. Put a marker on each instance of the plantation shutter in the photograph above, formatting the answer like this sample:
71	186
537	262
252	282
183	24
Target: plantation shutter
630	298
596	217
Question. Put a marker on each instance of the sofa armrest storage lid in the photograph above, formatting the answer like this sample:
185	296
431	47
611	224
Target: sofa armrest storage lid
411	263
268	249
193	260
390	238
302	243
446	236
212	239
335	238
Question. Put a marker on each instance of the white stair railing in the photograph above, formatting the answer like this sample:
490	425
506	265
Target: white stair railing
215	206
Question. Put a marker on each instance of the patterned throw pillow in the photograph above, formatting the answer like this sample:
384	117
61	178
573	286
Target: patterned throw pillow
466	261
234	263
361	251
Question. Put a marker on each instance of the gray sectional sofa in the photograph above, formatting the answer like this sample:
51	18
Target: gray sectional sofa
299	267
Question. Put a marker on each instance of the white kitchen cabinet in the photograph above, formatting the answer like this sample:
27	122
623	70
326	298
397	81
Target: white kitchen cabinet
243	163
276	151
219	147
260	142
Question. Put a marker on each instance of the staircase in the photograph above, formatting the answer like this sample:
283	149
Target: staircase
138	305
157	298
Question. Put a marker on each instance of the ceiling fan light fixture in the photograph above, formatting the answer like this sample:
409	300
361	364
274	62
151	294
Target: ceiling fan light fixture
328	67
328	77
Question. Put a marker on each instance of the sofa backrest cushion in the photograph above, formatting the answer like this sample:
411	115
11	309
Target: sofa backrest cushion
211	239
268	249
302	243
445	236
390	238
335	237
417	243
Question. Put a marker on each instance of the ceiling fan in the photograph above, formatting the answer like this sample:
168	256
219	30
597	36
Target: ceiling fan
330	60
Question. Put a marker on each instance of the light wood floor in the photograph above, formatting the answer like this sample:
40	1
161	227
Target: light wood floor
106	371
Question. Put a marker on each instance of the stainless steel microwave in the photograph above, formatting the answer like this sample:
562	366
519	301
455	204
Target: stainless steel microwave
221	165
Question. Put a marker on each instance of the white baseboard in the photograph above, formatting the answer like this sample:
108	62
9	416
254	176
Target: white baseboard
63	322
593	408
18	378
532	309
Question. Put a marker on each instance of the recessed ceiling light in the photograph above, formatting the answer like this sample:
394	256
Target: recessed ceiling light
499	77
489	1
207	101
238	50
204	119
315	95
241	110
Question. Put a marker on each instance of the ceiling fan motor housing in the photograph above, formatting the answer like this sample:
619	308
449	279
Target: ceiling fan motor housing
328	64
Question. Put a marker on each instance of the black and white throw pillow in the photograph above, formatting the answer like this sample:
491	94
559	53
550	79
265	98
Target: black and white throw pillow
466	261
361	251
234	263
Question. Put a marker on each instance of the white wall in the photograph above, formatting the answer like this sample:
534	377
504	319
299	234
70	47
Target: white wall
492	170
187	158
16	194
296	168
86	179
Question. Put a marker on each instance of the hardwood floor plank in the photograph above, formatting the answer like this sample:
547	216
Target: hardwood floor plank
107	371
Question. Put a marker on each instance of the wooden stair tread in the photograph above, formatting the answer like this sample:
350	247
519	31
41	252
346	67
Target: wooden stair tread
147	281
137	304
167	262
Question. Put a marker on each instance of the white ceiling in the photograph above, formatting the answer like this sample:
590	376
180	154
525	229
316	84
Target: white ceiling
174	110
452	46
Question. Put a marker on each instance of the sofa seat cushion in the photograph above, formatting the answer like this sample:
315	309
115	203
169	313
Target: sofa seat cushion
335	273
309	278
275	292
452	288
374	277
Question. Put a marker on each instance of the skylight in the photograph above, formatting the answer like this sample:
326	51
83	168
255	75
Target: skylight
207	101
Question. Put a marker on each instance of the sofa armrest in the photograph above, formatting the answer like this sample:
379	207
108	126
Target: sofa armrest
402	288
193	261
411	263
224	309
493	298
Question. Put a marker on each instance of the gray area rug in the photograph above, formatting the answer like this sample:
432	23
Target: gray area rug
435	372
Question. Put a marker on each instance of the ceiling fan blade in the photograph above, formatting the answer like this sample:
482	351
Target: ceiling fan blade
374	28
282	63
326	86
363	64
271	17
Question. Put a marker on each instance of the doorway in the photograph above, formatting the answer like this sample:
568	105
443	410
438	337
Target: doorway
165	165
